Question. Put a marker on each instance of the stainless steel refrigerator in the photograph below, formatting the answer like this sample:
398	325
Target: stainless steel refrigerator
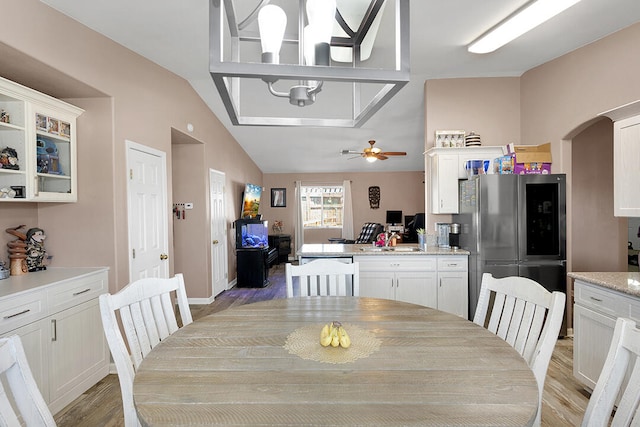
514	225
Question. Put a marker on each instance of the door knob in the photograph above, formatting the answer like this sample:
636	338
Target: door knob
215	242
163	257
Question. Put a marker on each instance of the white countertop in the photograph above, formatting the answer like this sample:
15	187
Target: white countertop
626	282
52	275
314	250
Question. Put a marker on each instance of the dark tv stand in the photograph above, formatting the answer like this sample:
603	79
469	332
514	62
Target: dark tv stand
253	266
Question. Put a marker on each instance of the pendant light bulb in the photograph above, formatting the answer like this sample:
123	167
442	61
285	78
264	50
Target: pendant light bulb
321	15
371	159
272	22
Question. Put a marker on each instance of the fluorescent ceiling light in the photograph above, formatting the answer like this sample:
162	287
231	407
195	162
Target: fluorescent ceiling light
527	18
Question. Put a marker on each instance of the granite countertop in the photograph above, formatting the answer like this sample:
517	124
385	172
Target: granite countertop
626	282
346	250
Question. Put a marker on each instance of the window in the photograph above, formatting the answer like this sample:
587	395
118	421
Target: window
322	206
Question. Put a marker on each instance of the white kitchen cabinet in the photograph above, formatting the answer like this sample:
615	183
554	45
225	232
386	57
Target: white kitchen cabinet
626	173
626	157
453	285
38	137
594	317
56	314
401	278
445	166
417	279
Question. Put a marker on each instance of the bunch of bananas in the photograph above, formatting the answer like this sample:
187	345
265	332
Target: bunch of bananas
334	334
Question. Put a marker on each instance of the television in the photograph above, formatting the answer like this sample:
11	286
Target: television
394	217
251	201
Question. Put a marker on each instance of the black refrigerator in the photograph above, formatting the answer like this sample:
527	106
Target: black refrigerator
514	225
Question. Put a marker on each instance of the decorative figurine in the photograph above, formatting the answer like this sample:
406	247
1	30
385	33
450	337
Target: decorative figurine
4	117
35	249
9	159
17	251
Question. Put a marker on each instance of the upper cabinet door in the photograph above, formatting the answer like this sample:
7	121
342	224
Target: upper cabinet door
626	167
37	146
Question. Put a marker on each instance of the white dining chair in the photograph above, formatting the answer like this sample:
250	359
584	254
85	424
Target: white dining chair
148	316
30	406
323	276
623	352
527	316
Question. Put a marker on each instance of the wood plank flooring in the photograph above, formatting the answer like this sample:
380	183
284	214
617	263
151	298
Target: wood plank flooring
564	400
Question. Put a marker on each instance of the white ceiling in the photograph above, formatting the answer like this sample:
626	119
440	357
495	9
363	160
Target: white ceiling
175	35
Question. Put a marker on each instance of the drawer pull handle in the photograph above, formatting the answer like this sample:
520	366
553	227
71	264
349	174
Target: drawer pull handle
596	299
75	294
17	314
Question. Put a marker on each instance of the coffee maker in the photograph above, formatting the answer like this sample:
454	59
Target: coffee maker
454	236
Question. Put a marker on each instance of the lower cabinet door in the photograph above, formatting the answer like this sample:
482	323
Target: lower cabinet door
452	293
417	288
35	340
79	353
377	285
592	334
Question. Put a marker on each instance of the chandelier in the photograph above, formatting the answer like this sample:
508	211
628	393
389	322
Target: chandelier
356	52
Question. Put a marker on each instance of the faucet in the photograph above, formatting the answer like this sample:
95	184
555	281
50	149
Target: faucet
388	236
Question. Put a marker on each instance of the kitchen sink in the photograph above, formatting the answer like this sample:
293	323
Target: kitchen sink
390	249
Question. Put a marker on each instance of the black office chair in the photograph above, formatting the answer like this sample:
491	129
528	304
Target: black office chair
368	234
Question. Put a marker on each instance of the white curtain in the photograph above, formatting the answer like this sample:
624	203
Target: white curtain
347	212
299	225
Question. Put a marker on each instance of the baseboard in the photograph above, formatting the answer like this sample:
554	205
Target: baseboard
209	300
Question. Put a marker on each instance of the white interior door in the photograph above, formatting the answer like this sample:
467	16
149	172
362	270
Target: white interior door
219	264
147	212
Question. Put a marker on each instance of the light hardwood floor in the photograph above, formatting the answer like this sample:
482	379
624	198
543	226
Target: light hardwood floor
564	400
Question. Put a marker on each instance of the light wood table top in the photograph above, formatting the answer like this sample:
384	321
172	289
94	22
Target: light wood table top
432	368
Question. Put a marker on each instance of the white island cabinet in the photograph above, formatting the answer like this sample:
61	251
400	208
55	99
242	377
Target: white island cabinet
600	298
56	314
409	279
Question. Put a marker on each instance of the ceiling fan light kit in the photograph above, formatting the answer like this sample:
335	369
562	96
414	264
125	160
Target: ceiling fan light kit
371	153
327	31
525	19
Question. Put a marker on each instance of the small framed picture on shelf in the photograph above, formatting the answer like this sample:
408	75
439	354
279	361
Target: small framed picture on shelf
41	122
53	125
278	197
65	129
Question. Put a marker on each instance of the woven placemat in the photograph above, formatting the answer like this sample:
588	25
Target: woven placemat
305	343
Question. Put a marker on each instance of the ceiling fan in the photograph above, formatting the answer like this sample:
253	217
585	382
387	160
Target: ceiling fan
374	153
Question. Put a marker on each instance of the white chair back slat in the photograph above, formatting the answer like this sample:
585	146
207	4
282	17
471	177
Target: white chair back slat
30	408
522	335
148	316
624	352
527	316
322	277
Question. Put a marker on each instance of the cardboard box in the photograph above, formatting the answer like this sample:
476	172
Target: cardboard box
503	165
532	159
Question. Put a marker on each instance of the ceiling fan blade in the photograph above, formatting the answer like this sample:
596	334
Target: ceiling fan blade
393	153
350	152
380	156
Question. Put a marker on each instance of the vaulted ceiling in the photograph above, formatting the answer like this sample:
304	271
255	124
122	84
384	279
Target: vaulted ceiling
175	35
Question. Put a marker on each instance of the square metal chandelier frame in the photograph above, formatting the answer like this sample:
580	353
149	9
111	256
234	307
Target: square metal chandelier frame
228	74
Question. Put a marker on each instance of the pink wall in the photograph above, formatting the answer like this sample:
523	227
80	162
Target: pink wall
596	233
398	191
145	103
562	98
486	106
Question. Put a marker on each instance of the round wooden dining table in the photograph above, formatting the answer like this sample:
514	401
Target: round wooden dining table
262	364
